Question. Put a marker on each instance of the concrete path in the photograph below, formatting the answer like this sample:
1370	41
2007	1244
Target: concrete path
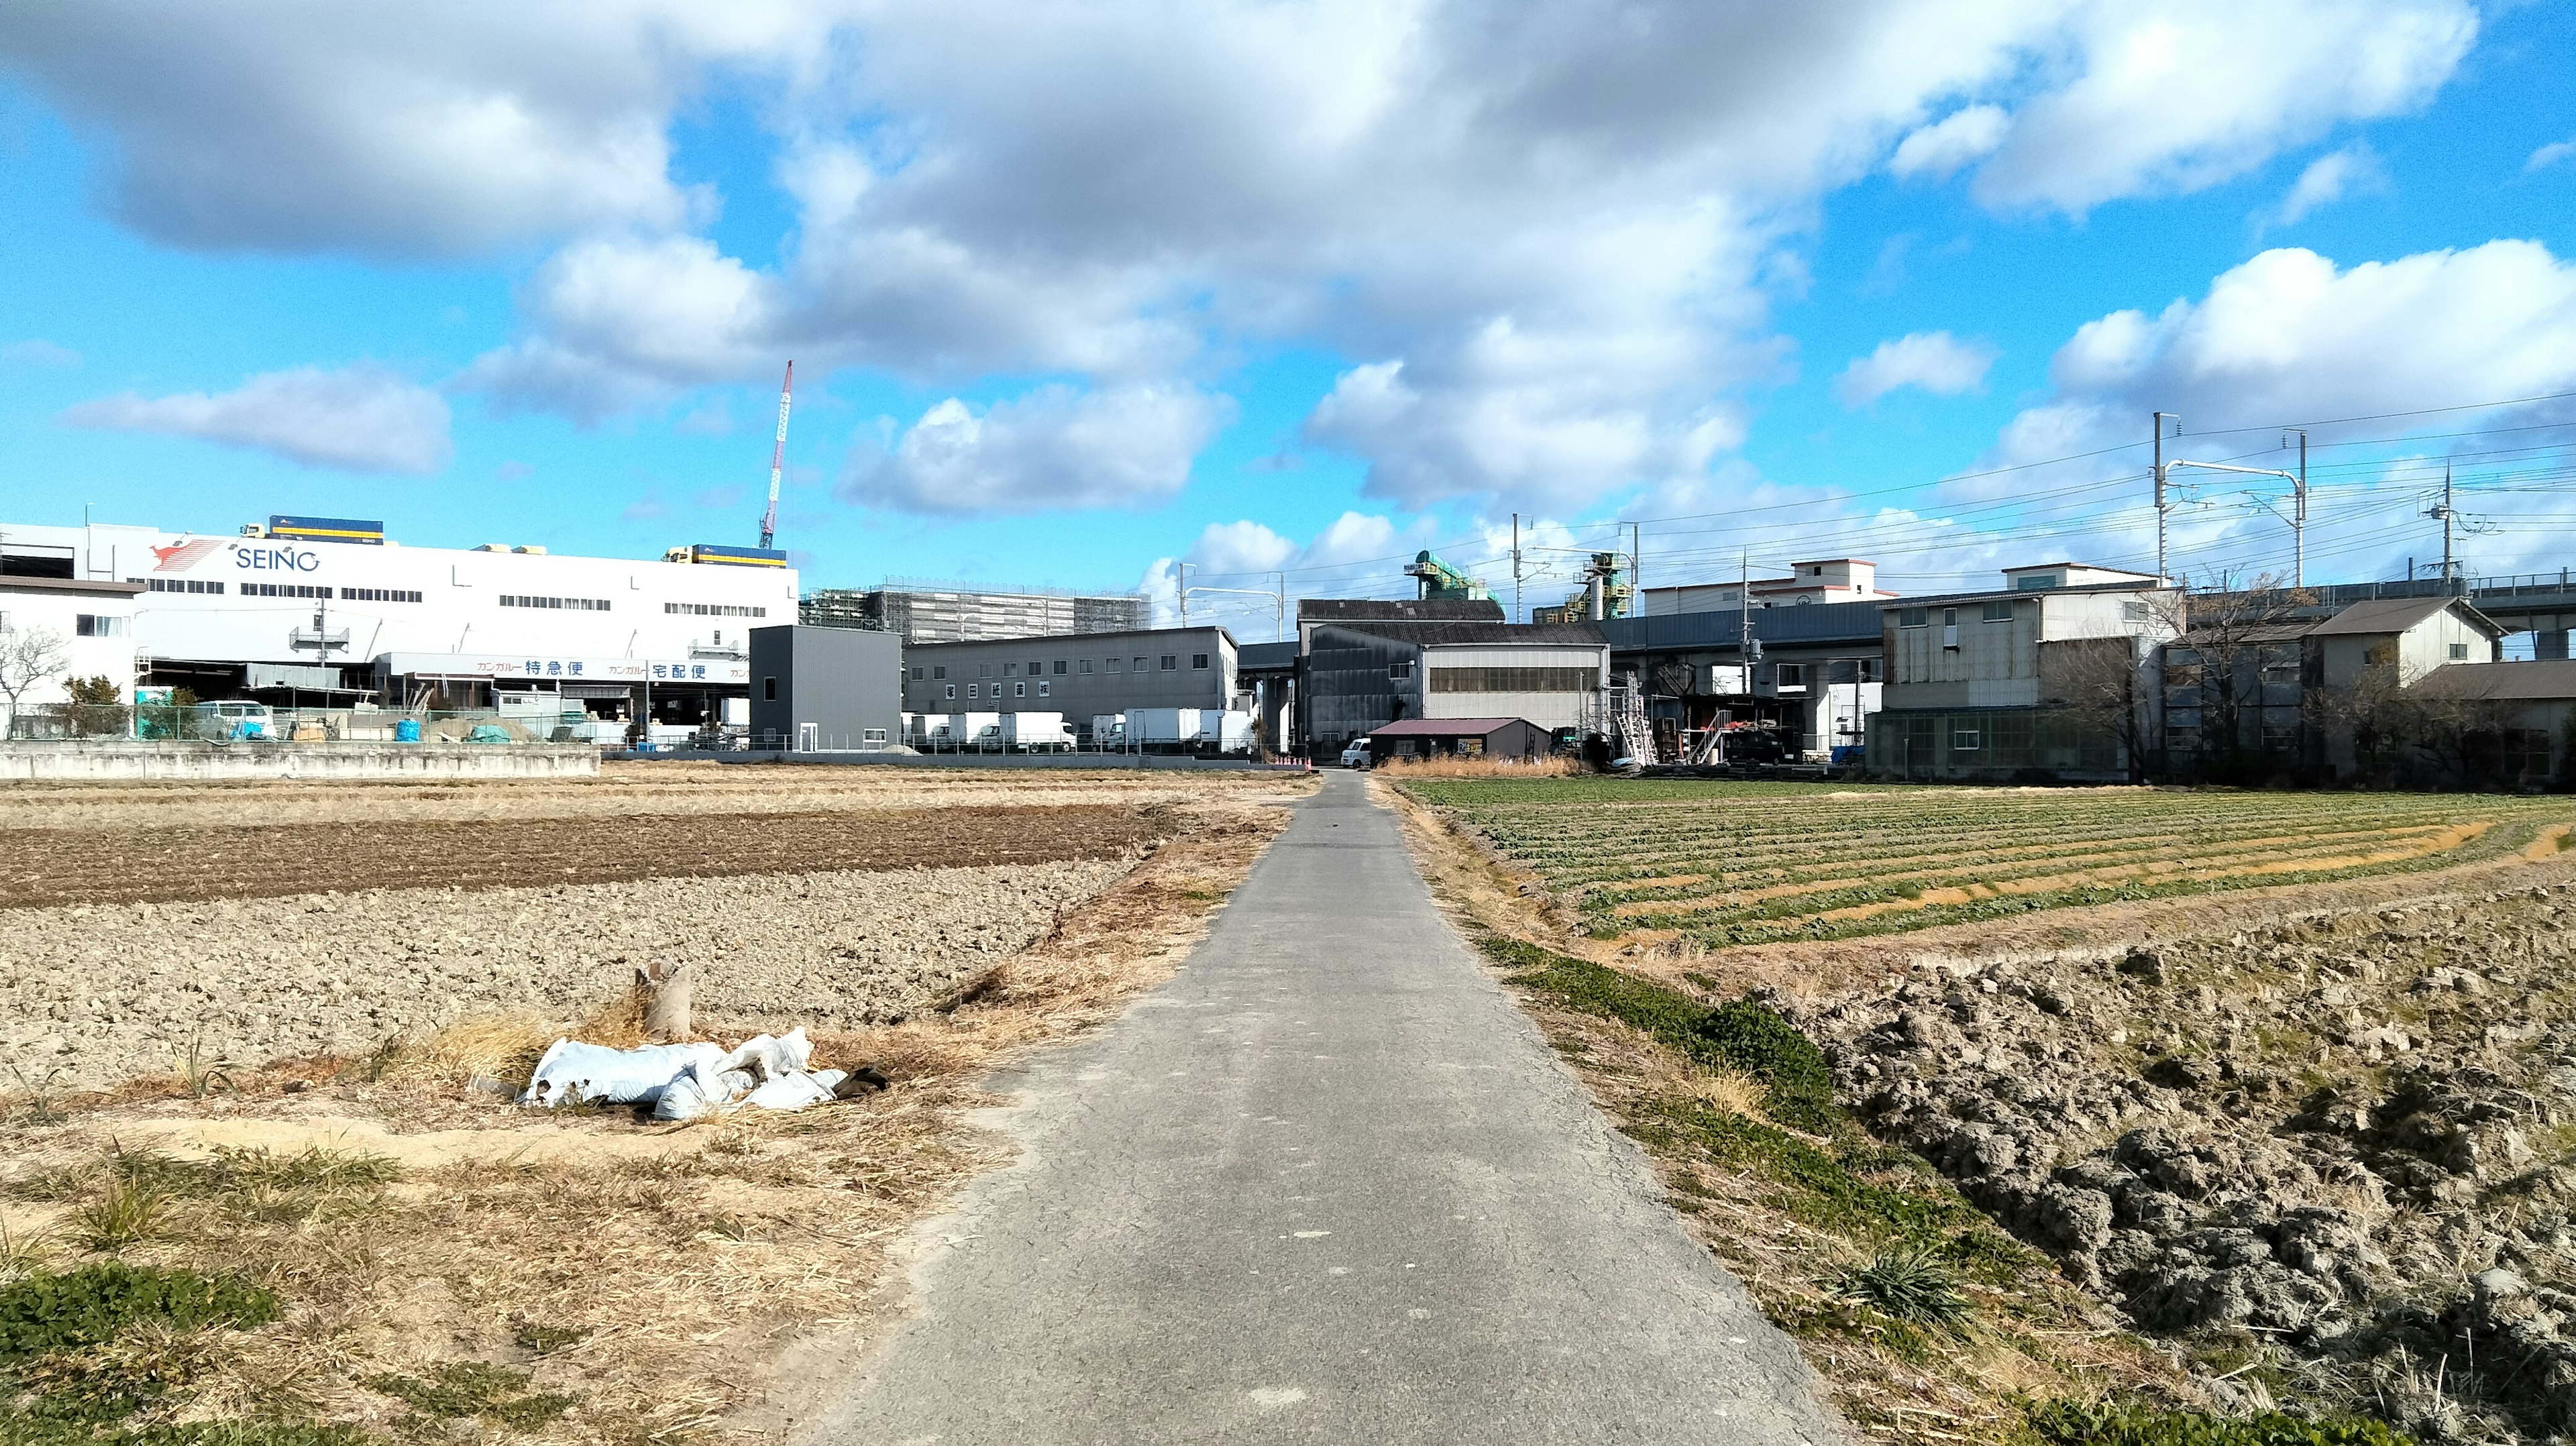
1328	1185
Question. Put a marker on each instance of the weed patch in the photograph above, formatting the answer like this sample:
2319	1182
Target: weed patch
2069	1423
459	1389
45	1313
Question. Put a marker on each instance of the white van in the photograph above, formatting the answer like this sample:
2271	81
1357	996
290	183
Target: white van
1356	755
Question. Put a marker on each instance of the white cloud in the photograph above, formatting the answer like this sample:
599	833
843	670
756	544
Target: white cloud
1938	151
1050	450
2550	155
1358	552
2179	96
2328	179
1935	361
1550	244
361	419
38	352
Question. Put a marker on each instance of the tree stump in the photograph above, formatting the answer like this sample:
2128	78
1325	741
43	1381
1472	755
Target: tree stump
666	1001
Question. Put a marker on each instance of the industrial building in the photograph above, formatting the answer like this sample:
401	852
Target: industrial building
1494	738
964	615
1081	676
330	610
826	689
1827	580
86	627
1358	676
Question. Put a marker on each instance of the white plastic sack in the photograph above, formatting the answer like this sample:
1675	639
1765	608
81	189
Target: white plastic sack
571	1070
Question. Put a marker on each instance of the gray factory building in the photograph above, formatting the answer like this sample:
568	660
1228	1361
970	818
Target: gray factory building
1081	676
1361	675
952	615
825	689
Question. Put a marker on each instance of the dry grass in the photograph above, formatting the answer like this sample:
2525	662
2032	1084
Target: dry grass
1449	767
652	1274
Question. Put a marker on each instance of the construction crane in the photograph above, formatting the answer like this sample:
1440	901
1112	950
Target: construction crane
1442	582
777	459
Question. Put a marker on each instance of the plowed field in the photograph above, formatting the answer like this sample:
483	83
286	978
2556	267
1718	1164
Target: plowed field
1725	863
42	867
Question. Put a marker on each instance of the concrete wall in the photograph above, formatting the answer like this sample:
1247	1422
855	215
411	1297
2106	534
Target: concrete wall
843	683
1079	676
112	759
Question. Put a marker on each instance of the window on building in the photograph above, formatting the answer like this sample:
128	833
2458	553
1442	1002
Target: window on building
1964	740
983	670
1514	680
1019	690
378	594
193	584
769	690
1171	662
1999	611
574	604
1949	617
1400	671
974	690
1141	664
940	671
1036	667
1086	666
1010	670
916	675
283	589
952	690
1198	662
1789	675
1059	667
2134	610
98	625
872	735
1045	689
1113	665
1872	669
708	610
2459	652
1914	617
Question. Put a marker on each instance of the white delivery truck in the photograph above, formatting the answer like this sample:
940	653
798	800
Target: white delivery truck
1162	725
1234	732
1036	733
1108	732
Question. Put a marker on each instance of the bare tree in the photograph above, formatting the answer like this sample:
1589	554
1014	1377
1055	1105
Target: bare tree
28	657
2099	685
2231	633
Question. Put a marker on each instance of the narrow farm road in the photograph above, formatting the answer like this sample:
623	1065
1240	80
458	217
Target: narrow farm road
1326	1185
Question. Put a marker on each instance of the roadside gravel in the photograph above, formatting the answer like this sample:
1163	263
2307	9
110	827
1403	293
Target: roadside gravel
104	993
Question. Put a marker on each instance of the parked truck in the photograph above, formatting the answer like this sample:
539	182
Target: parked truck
1031	732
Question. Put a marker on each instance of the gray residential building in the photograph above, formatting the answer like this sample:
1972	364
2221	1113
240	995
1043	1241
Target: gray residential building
1081	677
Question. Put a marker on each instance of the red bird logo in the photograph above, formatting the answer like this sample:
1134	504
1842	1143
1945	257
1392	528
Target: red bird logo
180	557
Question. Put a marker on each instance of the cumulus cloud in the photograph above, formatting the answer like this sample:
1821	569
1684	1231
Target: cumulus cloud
1054	448
2328	179
1357	551
1934	361
1938	151
359	419
2550	155
1549	245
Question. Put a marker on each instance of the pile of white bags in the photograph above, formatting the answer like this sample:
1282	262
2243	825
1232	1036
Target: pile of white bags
684	1081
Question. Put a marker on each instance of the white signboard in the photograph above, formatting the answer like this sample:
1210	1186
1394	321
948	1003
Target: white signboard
517	667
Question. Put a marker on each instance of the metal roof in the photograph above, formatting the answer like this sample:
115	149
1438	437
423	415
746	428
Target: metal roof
1561	634
2503	682
2396	615
1721	628
1356	609
1446	727
1265	657
12	582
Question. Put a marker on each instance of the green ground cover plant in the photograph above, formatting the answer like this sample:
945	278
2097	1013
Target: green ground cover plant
1724	863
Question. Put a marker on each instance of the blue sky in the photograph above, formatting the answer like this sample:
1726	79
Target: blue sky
1297	287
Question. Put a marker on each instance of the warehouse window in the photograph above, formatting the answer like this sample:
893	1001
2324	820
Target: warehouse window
378	594
941	671
983	670
1043	689
1400	670
575	604
97	625
1113	666
1914	617
1964	740
1036	667
283	589
1140	665
701	610
1870	669
1171	662
1019	690
872	735
194	584
952	690
1086	667
1513	680
1010	670
1059	667
916	675
2459	652
1789	675
973	690
1999	612
2134	611
1198	662
769	690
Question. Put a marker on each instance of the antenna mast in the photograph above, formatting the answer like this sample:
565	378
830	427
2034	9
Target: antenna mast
777	458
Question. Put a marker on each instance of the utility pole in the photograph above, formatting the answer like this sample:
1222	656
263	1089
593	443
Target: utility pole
1517	615
1184	594
2160	491
1279	614
1637	570
2445	514
2299	518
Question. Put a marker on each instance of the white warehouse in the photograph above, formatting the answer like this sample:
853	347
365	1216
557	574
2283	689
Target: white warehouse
319	607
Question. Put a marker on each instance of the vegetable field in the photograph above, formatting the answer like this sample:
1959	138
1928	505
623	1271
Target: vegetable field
1740	863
